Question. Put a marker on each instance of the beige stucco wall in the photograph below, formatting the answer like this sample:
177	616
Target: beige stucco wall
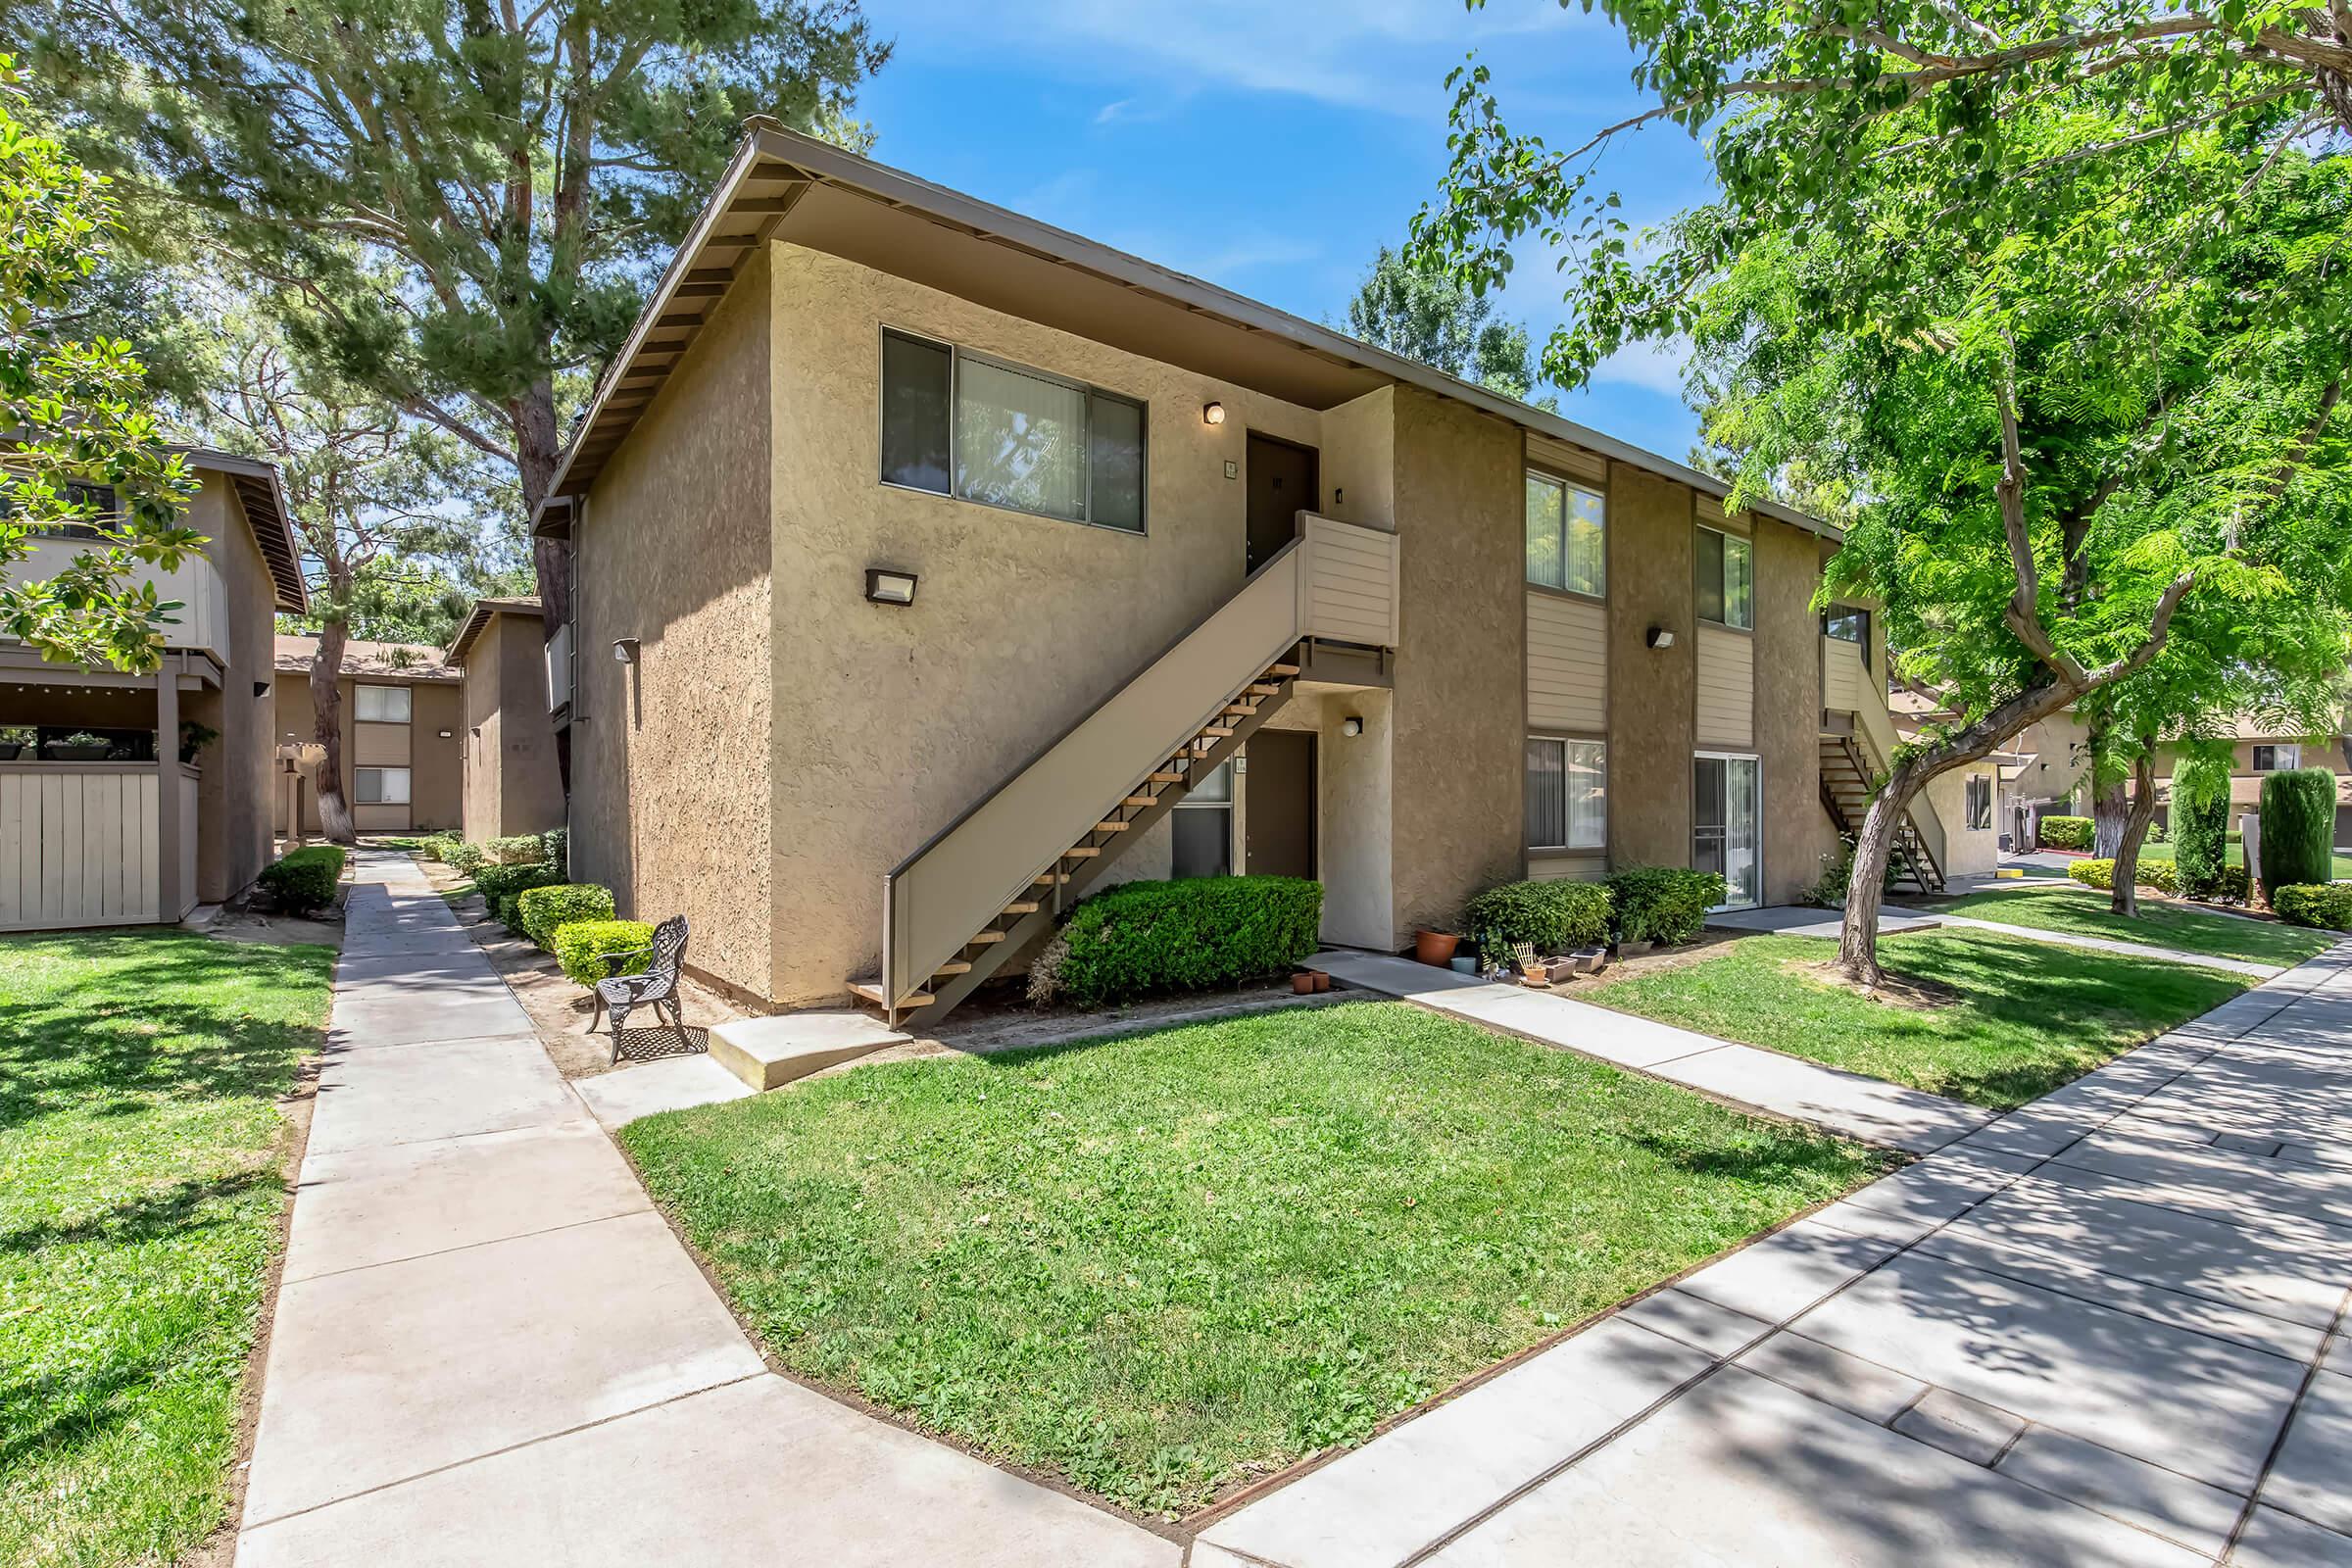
435	764
1020	626
670	757
233	837
1459	736
1651	691
1798	831
512	783
1965	853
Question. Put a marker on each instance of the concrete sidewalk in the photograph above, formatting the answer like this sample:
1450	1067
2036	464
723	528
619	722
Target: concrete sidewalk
488	1347
2105	1329
1791	920
1910	1119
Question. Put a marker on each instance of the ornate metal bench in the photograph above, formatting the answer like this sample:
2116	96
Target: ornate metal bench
656	987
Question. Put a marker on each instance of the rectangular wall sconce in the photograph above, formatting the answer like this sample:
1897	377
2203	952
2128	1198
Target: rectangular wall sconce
886	587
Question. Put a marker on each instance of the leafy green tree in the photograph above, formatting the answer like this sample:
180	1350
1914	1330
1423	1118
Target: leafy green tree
517	174
1426	316
81	433
2200	820
2062	300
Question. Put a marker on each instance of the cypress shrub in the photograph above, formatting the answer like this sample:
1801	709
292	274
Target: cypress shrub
2298	829
1192	934
1556	916
2200	823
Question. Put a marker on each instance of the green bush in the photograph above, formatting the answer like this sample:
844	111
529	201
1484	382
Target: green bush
1556	916
437	845
2066	832
2158	874
2327	905
2232	886
463	857
560	904
2201	816
501	885
519	849
1195	934
304	879
1663	902
555	848
580	948
2298	829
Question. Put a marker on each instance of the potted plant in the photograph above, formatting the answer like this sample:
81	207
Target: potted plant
194	738
79	747
1435	947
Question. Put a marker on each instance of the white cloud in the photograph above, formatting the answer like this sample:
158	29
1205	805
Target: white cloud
1653	367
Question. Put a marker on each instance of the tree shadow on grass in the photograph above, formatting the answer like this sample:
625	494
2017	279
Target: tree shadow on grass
186	1206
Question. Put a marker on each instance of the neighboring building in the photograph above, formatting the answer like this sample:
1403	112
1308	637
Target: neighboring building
2258	750
130	799
933	566
512	783
1977	803
402	715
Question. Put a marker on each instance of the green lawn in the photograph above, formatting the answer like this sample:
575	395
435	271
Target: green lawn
2235	855
141	1181
2029	1017
1163	1264
2082	912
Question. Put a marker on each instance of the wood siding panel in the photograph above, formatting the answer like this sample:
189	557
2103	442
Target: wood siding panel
1727	689
1841	679
1559	456
77	848
1567	867
1567	664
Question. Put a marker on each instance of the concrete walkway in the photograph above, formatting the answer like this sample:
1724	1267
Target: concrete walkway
2105	1329
1792	920
1909	1119
489	1349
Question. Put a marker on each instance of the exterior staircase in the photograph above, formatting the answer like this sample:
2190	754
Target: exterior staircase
1846	791
981	889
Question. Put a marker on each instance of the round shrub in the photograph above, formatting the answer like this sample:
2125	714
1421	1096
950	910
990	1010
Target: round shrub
2298	829
2066	832
464	858
2158	874
543	910
304	879
501	885
583	948
1663	902
1192	934
1556	916
2201	823
519	849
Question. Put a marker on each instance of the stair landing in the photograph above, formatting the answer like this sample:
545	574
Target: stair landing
768	1052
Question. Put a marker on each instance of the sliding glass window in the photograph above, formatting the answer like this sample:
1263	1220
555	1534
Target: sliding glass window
1567	794
1727	582
955	423
1567	535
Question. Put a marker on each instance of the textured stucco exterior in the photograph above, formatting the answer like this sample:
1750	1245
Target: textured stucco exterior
1798	831
1459	742
1651	690
434	760
233	839
512	784
670	756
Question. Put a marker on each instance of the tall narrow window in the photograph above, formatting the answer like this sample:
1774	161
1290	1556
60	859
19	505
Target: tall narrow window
954	424
1567	536
381	705
1980	804
1203	828
1567	794
1725	579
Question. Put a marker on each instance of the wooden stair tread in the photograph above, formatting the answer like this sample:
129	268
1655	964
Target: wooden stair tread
1215	731
1141	800
1049	878
1166	778
872	991
952	966
1264	688
1282	669
1022	906
1080	851
984	938
1111	827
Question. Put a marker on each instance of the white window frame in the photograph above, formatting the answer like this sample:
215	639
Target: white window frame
1732	757
1563	741
2283	758
1723	592
407	785
1566	486
359	693
957	355
1230	806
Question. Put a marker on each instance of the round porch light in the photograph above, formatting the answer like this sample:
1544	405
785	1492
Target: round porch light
1212	412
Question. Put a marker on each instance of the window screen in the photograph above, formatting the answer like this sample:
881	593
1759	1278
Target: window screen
381	705
1566	795
383	786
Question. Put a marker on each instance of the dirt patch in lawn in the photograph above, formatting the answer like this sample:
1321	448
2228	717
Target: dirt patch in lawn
1892	990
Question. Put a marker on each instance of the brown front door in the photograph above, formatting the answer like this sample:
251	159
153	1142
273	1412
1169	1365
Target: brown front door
1282	484
1279	804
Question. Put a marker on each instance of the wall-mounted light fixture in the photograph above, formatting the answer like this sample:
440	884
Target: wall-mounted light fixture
624	650
449	734
1212	412
1660	637
1351	725
886	587
261	688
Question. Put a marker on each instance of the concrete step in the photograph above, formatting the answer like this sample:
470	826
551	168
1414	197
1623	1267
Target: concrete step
767	1051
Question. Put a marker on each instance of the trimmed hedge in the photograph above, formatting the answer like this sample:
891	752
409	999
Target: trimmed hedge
2298	829
519	849
304	879
560	904
463	857
580	948
2232	886
2066	832
1556	916
2157	874
501	885
555	848
1192	934
2201	821
2325	905
1663	902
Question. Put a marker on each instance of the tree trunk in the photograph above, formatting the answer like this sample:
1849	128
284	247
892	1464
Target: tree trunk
2108	811
1866	883
537	448
327	716
2124	899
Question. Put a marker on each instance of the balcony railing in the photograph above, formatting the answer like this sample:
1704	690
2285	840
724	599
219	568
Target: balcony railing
199	625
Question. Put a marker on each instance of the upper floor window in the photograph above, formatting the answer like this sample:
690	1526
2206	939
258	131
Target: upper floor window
1567	535
2277	758
954	424
100	507
381	705
1980	804
1727	583
1848	625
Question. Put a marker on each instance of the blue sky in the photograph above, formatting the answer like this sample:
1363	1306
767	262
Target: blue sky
1270	148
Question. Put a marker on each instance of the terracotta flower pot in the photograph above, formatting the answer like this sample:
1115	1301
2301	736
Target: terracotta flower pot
1435	946
1322	981
1303	983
